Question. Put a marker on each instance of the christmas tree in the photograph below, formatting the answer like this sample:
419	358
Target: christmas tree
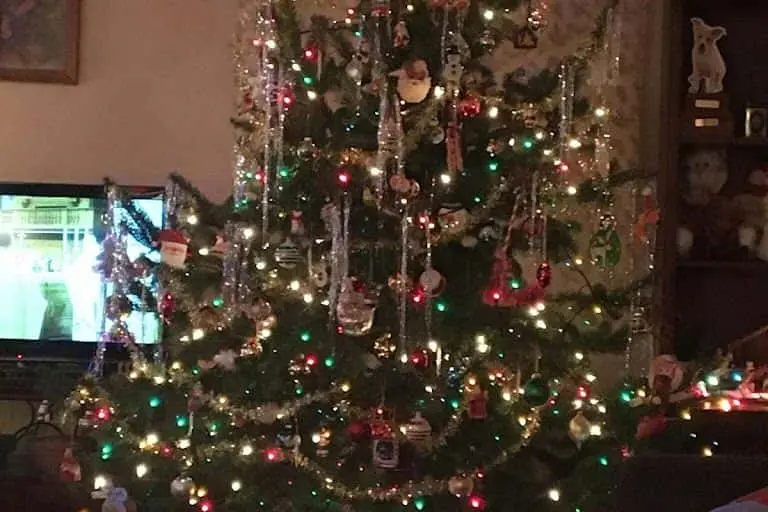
374	321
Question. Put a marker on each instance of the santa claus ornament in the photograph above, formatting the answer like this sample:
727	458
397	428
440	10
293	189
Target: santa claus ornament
413	81
173	248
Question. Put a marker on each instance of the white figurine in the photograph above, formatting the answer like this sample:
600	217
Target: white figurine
708	63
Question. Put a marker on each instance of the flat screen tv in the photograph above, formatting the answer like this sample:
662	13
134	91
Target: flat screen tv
52	294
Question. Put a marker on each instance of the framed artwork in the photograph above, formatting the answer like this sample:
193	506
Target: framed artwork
39	40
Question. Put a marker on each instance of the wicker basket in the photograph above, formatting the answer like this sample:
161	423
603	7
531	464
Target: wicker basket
38	452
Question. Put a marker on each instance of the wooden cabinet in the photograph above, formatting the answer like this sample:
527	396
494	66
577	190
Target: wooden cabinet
713	185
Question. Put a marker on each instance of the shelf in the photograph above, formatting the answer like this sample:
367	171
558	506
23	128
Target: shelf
714	140
731	266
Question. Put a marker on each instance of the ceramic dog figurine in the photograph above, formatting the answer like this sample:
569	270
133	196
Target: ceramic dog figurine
708	63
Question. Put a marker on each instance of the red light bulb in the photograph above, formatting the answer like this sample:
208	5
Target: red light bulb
310	53
311	360
272	454
476	502
206	506
582	392
102	413
344	178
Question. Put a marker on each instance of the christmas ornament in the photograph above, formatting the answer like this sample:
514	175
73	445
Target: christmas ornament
251	347
355	311
418	432
225	359
358	431
432	282
666	374
197	398
386	453
287	254
605	245
260	311
288	437
420	358
307	149
398	283
470	106
173	248
69	469
477	405
116	500
453	69
487	41
461	485
530	115
436	133
544	274
119	307
205	318
497	292
182	486
322	439
401	36
413	81
400	183
453	219
453	152
579	428
536	391
167	306
355	66
297	224
383	347
320	275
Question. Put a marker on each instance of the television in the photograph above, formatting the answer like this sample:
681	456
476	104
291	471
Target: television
52	293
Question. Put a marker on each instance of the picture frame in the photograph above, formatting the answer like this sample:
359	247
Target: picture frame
40	41
756	124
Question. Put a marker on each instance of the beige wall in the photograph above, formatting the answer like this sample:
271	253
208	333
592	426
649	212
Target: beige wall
154	96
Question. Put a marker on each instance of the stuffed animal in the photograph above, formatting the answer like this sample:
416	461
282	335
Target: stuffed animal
708	63
453	69
707	173
753	211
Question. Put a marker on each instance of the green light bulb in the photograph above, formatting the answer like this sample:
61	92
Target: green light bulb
493	166
217	302
307	80
306	336
284	172
181	421
455	403
515	284
528	144
603	461
106	451
441	306
625	396
419	503
329	362
154	401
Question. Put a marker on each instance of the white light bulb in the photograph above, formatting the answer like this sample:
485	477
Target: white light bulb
493	112
184	443
511	142
100	482
541	324
142	470
600	112
554	494
295	285
192	219
198	334
312	95
246	450
439	92
445	178
578	356
248	232
316	437
574	144
375	172
488	15
236	485
204	251
152	438
308	298
571	190
271	44
261	265
433	345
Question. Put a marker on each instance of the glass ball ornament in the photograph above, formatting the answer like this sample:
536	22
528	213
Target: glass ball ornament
418	432
432	282
287	254
461	485
579	428
470	106
536	391
358	431
355	312
182	486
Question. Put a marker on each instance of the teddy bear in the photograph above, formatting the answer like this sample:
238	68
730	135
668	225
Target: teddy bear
753	207
706	173
708	63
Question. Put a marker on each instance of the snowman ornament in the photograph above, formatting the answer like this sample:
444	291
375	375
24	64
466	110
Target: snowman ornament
413	81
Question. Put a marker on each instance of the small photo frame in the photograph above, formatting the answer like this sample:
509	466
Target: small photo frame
756	123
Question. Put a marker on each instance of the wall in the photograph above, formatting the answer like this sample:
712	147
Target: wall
154	97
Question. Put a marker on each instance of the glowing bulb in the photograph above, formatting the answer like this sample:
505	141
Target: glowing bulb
294	285
506	395
100	481
554	494
488	15
404	358
511	142
597	310
261	265
590	377
312	95
246	450
595	430
192	219
375	172
539	135
152	439
493	112
248	233
308	298
316	437
198	334
433	345
713	380
707	451
574	143
445	178
686	415
345	387
271	44
265	333
571	190
541	324
481	339
142	470
236	485
439	92
600	112
578	356
184	443
578	261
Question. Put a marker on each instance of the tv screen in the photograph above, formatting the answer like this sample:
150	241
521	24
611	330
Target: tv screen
50	246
